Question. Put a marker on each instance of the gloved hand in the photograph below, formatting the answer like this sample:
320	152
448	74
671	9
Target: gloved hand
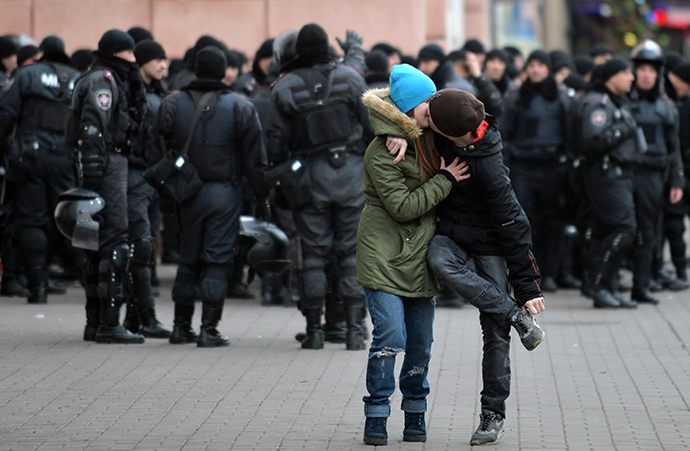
351	38
263	209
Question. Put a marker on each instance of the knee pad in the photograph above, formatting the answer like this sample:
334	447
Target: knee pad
214	283
312	277
185	289
142	252
347	287
117	258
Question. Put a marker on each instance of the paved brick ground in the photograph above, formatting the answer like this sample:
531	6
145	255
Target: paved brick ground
602	380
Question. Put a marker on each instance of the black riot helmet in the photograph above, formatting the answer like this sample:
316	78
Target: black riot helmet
270	251
648	52
74	216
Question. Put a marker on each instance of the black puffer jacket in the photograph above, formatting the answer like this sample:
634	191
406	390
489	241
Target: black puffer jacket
482	214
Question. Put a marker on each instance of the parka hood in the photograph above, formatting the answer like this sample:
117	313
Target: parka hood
386	117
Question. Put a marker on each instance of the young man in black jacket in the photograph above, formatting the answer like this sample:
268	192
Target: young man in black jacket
482	220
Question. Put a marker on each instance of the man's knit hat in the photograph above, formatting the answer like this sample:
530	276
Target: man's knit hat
8	47
610	68
115	41
52	44
541	56
139	34
210	63
409	87
312	41
682	71
148	50
431	52
25	53
456	112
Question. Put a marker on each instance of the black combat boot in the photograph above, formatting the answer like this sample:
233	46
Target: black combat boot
93	312
355	339
131	322
37	278
209	336
182	332
151	327
110	330
314	338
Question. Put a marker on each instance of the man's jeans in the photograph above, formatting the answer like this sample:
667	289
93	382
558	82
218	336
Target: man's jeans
400	324
487	289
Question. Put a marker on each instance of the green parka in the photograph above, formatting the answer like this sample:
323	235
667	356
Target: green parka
398	220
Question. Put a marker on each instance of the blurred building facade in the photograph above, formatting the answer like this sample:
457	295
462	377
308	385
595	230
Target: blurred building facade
572	25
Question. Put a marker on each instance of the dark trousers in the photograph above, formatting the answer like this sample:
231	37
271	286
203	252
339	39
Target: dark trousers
487	289
649	204
34	204
538	187
327	227
611	206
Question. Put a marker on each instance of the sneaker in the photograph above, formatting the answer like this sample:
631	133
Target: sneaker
375	431
528	329
415	427
490	430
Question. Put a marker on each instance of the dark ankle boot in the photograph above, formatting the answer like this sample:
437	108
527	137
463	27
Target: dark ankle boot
209	336
92	319
314	338
131	322
415	427
182	332
109	330
355	340
151	327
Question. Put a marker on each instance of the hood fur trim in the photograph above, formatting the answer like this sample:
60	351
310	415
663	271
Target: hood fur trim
378	100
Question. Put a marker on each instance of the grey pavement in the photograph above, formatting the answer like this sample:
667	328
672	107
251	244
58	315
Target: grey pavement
602	380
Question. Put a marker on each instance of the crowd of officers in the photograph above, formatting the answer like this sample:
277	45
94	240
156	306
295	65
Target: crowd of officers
596	147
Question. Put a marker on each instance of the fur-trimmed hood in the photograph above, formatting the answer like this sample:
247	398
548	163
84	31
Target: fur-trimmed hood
386	118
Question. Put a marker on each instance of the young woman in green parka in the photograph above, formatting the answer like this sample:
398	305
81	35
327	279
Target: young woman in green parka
394	231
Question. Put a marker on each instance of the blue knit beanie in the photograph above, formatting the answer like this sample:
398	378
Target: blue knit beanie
410	87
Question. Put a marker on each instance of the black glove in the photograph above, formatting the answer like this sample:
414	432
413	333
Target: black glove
263	209
351	38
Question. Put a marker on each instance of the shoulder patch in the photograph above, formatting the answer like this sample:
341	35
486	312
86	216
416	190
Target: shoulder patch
598	117
108	74
104	99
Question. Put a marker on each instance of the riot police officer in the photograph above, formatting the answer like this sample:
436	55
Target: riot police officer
40	164
108	104
606	139
533	128
318	128
225	145
141	312
657	118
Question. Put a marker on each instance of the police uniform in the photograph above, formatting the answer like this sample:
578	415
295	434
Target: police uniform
226	144
607	140
317	118
41	163
141	313
107	105
533	128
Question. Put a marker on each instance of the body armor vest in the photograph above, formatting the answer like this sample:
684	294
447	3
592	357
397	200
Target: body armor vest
213	149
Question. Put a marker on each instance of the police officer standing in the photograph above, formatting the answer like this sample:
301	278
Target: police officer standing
533	128
41	166
606	137
108	104
141	312
319	126
226	144
657	118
